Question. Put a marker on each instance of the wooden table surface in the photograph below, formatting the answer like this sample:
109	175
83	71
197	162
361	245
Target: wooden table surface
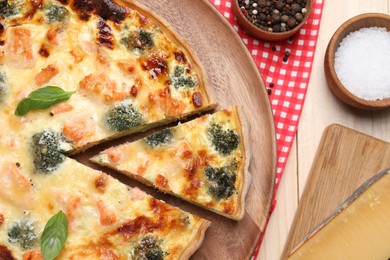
321	109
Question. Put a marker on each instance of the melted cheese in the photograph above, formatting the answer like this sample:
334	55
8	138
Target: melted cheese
178	167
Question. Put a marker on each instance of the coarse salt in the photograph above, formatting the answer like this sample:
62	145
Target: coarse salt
362	63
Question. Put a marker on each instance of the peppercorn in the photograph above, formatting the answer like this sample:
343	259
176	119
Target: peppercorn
269	91
299	17
291	22
296	7
284	18
275	19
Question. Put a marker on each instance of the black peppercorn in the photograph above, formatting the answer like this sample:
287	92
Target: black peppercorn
299	17
296	7
284	18
291	22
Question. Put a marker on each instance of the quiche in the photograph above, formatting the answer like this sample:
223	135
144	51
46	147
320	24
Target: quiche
204	161
86	71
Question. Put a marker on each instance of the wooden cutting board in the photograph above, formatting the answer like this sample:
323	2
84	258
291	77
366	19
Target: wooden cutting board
235	80
345	159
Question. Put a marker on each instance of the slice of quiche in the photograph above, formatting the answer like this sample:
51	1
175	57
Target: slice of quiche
106	219
204	161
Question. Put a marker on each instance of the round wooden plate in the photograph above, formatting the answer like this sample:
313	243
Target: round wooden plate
234	79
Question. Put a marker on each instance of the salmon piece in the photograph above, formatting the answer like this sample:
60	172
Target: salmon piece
89	47
53	35
108	254
115	155
173	107
79	129
61	108
33	254
182	154
100	84
126	67
108	215
72	204
142	167
169	105
14	184
21	181
137	194
18	49
46	74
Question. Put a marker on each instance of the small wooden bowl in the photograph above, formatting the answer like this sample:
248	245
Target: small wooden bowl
265	35
353	24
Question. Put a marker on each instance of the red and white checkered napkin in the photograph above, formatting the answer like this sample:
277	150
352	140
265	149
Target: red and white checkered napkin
290	78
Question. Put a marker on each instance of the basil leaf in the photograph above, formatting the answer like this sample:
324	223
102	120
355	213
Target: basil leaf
41	99
54	236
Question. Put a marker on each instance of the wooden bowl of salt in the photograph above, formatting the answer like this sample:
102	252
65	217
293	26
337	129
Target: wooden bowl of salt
357	61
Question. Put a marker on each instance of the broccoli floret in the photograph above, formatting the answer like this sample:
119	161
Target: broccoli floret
148	249
224	141
3	87
139	40
48	148
22	232
182	81
221	180
56	13
159	138
123	117
8	9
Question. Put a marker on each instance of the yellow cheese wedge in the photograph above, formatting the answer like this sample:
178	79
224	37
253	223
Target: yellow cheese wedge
359	228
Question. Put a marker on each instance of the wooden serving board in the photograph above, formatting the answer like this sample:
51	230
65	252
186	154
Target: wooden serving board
345	159
234	79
